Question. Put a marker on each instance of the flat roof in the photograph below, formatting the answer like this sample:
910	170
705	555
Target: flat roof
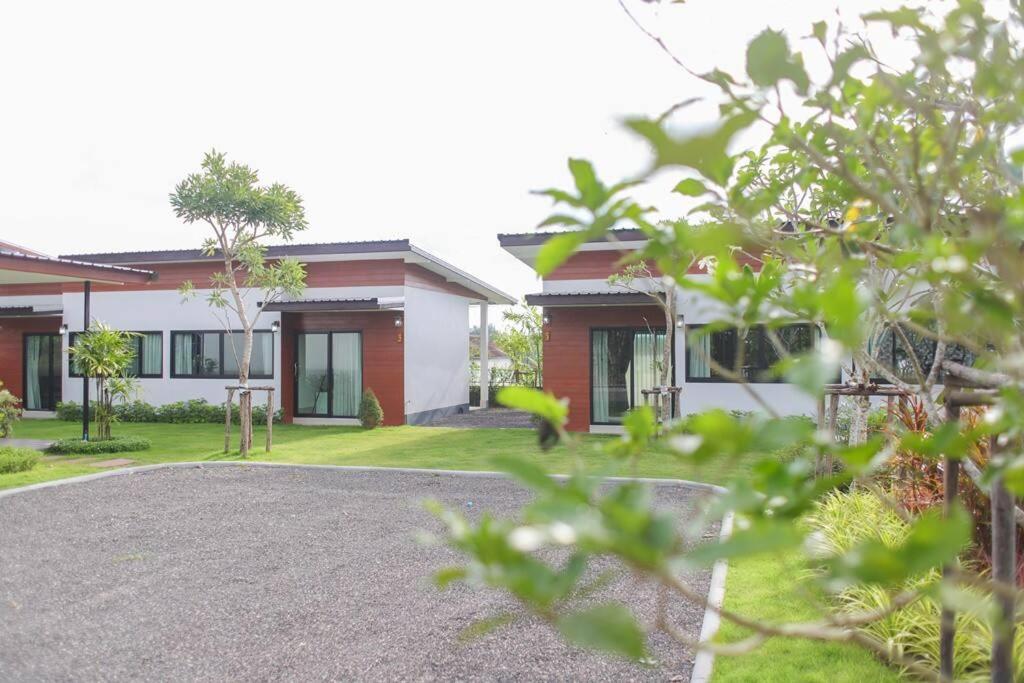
399	248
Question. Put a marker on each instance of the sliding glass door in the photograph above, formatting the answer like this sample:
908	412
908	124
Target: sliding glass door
623	362
328	374
42	371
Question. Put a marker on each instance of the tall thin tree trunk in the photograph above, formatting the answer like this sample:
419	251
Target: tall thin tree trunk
666	354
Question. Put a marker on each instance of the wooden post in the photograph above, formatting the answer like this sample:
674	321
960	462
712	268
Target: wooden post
833	419
1004	570
950	490
819	465
227	420
270	418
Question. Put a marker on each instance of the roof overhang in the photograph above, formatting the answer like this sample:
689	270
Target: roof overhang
526	246
21	268
29	312
589	299
334	305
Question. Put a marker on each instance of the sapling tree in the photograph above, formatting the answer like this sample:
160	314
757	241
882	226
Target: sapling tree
242	215
885	209
523	342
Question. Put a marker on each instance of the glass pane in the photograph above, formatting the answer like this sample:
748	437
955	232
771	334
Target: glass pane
42	372
611	368
207	361
134	365
647	361
347	368
723	350
182	345
33	388
311	377
260	362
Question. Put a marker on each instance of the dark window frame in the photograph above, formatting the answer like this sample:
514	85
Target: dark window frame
175	374
330	372
762	377
77	375
632	376
896	343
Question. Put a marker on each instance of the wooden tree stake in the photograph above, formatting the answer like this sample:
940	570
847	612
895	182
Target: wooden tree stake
270	418
227	420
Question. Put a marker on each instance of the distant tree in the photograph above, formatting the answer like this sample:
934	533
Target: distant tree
522	341
241	214
371	415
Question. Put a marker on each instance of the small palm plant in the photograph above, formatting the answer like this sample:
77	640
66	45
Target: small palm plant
105	354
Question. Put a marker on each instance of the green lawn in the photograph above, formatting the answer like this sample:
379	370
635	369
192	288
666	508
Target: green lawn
761	587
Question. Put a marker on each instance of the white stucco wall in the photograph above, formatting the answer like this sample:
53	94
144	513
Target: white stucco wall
436	350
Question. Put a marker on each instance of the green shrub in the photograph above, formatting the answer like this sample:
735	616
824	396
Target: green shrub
10	411
370	413
117	444
195	411
842	520
17	459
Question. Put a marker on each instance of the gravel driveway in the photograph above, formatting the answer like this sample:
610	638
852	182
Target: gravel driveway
259	573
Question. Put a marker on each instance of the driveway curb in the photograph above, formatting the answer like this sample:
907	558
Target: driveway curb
699	485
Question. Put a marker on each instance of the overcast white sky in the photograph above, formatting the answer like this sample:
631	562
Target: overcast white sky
430	120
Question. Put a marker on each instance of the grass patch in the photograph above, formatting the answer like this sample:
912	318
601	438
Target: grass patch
767	588
14	460
406	446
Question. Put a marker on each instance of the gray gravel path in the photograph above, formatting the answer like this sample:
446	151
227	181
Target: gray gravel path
491	418
249	573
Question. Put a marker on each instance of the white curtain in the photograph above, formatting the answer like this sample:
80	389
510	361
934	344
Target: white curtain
647	358
33	400
183	354
599	377
700	351
346	364
152	353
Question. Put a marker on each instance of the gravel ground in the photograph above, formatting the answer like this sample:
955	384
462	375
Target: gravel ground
500	418
258	573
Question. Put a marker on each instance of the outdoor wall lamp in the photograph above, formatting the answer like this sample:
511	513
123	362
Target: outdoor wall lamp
63	328
275	326
547	319
398	321
679	321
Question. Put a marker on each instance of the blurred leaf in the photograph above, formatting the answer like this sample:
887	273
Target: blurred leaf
769	61
526	472
535	401
609	627
482	627
556	250
690	187
706	153
760	537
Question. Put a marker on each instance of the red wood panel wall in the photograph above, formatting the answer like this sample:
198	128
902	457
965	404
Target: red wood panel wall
383	355
12	374
567	350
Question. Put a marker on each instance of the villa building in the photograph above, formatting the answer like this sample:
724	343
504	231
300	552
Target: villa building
381	315
602	343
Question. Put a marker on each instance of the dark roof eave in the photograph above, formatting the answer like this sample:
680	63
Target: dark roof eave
590	299
275	251
529	239
329	306
28	312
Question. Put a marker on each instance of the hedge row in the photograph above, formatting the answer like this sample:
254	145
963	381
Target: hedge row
195	411
116	444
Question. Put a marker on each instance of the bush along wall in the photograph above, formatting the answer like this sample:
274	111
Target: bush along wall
195	411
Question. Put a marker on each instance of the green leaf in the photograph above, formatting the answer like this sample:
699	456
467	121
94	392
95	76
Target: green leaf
556	250
706	153
592	192
769	61
690	187
811	371
444	577
482	627
761	537
537	402
609	627
524	471
819	31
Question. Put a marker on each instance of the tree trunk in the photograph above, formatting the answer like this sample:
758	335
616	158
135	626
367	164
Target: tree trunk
245	422
666	354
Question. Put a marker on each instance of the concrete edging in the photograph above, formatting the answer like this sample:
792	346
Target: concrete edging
703	664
